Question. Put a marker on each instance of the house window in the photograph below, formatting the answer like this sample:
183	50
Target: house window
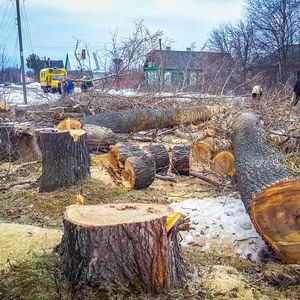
168	78
152	77
193	78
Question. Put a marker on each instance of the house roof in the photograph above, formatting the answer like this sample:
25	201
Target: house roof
54	64
91	63
180	60
293	57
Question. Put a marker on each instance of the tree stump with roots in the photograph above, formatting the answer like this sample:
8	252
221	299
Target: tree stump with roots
113	245
65	159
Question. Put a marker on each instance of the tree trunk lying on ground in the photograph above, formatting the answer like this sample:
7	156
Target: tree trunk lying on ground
18	144
161	157
64	161
115	245
144	119
268	190
181	160
223	163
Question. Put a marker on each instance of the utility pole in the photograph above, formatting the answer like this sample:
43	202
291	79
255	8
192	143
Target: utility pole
21	51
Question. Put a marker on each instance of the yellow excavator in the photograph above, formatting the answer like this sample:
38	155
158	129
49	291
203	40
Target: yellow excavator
52	79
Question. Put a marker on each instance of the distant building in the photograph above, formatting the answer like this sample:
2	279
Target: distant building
168	67
83	63
272	71
49	63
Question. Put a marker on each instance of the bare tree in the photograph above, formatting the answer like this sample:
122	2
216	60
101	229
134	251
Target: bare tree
277	25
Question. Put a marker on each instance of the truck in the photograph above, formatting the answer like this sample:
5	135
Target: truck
52	79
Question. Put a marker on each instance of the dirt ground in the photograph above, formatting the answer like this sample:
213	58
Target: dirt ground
228	257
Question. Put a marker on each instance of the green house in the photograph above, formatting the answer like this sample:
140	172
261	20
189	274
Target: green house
168	67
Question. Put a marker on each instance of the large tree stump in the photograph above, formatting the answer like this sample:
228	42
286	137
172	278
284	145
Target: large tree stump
181	160
110	246
268	190
161	157
64	161
18	144
144	119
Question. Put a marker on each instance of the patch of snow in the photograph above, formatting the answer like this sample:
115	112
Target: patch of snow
221	224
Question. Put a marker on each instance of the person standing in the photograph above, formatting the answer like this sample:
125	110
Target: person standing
296	97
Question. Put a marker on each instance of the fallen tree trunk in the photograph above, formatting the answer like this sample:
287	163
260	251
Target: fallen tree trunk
223	163
64	161
144	119
111	246
18	144
268	190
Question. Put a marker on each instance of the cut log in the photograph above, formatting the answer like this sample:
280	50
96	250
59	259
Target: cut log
145	119
65	159
204	150
161	157
18	144
141	171
181	160
268	190
110	246
120	152
223	163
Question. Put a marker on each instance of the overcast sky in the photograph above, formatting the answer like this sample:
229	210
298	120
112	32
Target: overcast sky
49	26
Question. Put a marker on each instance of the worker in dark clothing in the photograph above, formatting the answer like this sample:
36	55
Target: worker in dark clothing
296	97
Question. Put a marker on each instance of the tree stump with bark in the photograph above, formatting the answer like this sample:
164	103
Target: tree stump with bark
181	160
111	246
65	159
161	157
18	144
268	189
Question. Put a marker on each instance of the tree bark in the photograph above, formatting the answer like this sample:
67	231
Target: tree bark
161	157
111	246
64	161
141	170
145	119
268	189
18	144
181	160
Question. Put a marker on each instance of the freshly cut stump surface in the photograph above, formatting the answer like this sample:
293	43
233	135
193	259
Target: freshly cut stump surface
181	160
112	245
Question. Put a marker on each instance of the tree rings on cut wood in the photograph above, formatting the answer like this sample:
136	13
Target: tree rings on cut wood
112	245
141	171
181	160
160	155
65	161
201	152
223	163
275	212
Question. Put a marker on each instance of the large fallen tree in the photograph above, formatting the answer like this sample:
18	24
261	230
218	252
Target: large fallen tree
144	119
268	189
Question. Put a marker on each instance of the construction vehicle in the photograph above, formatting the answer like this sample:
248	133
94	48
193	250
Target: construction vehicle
52	79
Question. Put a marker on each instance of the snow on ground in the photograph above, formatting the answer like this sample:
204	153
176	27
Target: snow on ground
221	224
13	94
